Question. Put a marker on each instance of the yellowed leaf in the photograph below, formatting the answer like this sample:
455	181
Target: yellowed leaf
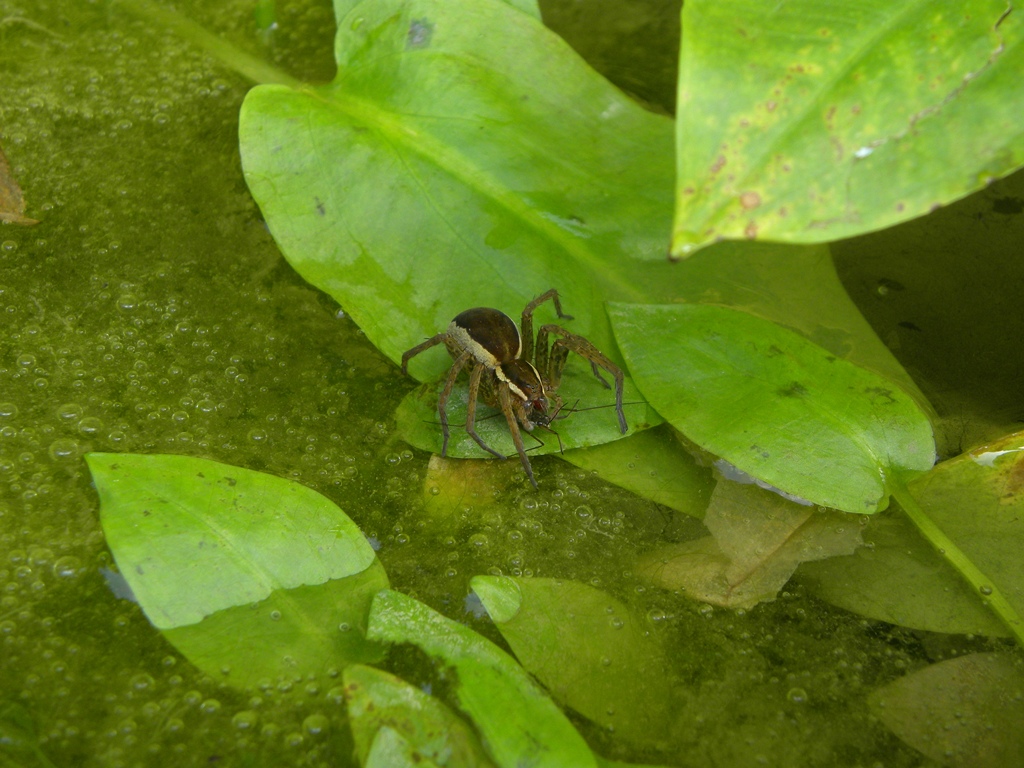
757	540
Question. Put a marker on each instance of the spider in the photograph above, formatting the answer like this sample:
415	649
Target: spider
498	357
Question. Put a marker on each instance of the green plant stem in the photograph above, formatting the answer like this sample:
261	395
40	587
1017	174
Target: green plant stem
982	585
241	62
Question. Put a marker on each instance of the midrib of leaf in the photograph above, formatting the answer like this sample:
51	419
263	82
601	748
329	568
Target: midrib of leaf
856	56
395	132
984	587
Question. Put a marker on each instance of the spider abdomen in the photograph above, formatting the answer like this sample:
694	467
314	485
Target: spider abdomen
489	335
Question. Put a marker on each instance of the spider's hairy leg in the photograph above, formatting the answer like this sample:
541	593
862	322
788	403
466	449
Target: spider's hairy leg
507	408
570	342
442	401
431	342
526	324
474	388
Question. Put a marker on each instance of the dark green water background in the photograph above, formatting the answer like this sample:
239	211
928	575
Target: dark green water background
150	311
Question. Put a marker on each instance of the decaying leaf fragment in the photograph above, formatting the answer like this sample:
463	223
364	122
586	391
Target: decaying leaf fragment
12	202
757	540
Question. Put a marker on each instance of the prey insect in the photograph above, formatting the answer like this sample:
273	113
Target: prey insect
511	371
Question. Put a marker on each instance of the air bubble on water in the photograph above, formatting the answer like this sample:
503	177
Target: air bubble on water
90	425
316	724
797	695
63	448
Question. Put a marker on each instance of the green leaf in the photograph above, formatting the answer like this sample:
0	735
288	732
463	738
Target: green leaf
773	404
962	712
379	701
808	121
898	577
518	722
219	557
757	541
391	750
589	649
450	145
652	464
976	502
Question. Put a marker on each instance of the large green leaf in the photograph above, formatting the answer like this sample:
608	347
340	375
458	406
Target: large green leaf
464	156
238	565
519	723
976	501
589	649
773	404
808	121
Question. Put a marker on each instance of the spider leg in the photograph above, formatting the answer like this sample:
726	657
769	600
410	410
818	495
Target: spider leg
431	342
526	326
442	401
570	342
593	367
474	388
505	400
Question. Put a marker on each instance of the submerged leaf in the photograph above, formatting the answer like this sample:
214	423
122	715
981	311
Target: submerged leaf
805	122
977	500
238	565
588	649
379	701
965	712
757	541
773	404
517	720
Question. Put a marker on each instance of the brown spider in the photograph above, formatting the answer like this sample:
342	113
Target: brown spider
498	357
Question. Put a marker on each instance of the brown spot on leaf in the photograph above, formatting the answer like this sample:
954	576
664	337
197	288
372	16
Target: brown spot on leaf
796	389
751	231
750	200
718	164
770	106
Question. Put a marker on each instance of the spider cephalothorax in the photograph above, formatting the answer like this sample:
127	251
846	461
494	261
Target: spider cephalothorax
509	372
